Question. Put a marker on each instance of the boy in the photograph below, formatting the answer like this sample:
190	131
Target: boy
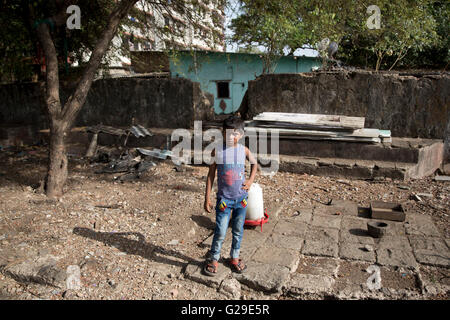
232	194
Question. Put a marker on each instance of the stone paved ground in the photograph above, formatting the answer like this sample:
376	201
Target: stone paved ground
147	238
324	251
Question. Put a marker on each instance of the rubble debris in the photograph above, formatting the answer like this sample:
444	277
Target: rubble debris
157	153
442	178
426	195
140	131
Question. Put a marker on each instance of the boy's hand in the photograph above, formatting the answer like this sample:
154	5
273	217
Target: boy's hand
247	184
207	205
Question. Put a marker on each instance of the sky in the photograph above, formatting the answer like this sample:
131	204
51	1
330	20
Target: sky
232	11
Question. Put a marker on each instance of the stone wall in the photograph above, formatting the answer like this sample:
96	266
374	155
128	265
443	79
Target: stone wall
153	102
408	105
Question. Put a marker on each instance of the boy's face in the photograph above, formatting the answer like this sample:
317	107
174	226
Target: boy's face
232	136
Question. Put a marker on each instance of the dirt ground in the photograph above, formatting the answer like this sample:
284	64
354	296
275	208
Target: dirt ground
131	239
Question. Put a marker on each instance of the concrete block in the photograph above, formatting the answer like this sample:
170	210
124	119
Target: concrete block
355	251
307	285
280	256
420	225
327	221
264	277
320	248
354	230
431	251
287	242
322	234
301	215
290	228
396	257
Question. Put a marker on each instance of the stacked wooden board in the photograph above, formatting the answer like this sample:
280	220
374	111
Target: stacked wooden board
316	127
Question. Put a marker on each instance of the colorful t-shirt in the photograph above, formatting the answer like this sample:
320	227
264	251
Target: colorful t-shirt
231	172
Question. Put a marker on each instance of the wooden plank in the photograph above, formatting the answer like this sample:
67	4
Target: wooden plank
279	124
325	138
365	133
318	119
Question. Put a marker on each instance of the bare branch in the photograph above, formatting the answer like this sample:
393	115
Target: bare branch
51	60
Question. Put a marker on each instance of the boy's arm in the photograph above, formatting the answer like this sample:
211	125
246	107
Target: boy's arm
254	168
209	183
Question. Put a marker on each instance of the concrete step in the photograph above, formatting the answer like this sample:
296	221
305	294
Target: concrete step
345	168
399	150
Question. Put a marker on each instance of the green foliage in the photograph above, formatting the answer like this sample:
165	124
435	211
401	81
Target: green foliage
409	28
271	24
20	53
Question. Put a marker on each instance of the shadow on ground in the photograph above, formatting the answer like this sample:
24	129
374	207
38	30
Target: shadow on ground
140	247
204	222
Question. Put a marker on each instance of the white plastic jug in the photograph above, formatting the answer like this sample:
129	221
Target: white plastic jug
255	206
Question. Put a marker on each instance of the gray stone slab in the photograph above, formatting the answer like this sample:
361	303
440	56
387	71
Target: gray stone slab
194	272
290	228
321	242
264	277
320	248
280	256
355	230
326	210
420	225
355	251
326	221
38	270
308	285
287	242
430	251
394	242
322	234
396	257
301	215
344	163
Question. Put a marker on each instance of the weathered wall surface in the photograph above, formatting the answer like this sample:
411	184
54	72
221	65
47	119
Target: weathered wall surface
169	103
409	106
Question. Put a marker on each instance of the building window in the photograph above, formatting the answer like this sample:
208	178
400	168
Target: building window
223	89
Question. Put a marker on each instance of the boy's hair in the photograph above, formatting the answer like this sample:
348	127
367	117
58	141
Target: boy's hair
233	122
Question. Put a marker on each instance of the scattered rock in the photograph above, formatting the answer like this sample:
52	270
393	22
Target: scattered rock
191	233
368	248
173	242
426	195
231	287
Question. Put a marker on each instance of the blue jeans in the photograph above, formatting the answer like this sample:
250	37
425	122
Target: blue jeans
239	207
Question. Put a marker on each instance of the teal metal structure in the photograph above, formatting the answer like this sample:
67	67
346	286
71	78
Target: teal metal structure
226	74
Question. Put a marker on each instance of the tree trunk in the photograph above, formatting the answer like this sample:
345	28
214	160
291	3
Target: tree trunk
61	119
57	165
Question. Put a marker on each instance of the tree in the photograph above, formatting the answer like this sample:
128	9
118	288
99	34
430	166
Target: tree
273	25
406	26
44	22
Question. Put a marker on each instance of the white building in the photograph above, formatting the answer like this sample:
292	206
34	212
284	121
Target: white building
198	27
